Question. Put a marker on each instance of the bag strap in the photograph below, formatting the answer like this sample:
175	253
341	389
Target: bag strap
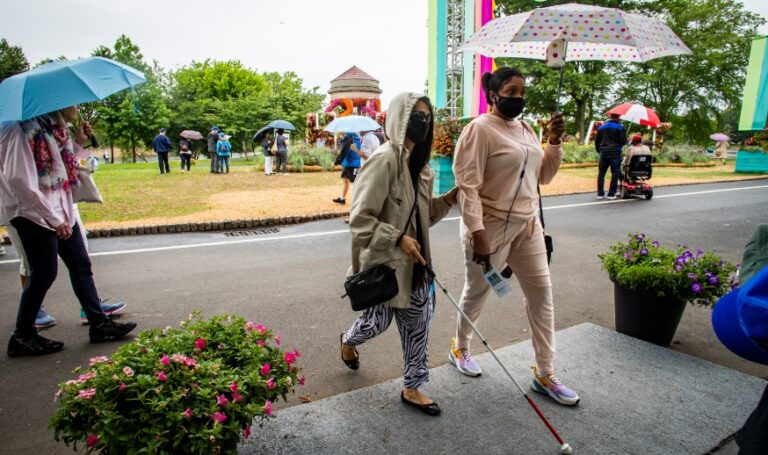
408	220
541	209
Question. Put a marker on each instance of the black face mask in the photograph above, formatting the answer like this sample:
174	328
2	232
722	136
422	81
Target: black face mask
418	127
510	107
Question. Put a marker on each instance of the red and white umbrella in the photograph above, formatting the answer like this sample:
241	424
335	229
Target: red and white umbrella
636	113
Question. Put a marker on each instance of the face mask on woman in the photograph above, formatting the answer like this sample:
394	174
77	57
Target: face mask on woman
418	127
509	107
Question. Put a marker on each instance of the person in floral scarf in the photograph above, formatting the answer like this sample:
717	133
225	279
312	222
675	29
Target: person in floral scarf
38	170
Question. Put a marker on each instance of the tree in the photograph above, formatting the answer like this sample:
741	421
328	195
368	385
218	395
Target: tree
699	86
12	60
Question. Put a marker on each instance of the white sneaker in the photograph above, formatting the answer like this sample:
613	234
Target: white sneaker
464	361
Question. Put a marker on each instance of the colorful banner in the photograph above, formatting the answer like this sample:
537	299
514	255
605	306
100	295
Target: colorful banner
438	58
754	107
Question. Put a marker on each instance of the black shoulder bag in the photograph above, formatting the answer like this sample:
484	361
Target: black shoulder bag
376	284
547	238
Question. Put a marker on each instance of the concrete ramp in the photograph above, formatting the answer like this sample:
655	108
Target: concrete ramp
636	398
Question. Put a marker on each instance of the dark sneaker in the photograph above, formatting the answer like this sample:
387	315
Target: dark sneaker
340	200
109	330
33	345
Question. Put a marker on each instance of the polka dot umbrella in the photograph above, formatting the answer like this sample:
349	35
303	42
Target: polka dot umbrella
576	32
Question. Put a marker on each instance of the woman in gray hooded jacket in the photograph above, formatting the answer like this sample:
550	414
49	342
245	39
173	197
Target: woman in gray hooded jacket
392	210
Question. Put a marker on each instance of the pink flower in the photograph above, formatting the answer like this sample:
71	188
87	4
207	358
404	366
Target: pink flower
86	394
165	360
296	353
271	384
236	397
219	417
94	360
92	440
128	371
290	358
260	343
121	387
233	386
190	362
268	408
86	377
187	413
200	344
247	432
222	401
260	328
264	370
161	376
249	326
277	340
302	380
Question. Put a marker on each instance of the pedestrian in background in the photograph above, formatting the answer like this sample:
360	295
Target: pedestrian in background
499	163
223	150
394	192
269	158
350	163
282	152
162	146
721	151
185	153
611	139
212	139
636	147
370	143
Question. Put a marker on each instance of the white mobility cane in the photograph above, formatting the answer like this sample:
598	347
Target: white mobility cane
564	447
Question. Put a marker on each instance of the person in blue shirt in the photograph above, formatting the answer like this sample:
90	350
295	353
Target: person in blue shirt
223	150
162	145
611	138
350	162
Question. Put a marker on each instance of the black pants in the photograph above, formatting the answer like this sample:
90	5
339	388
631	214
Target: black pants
185	158
214	162
41	247
753	438
612	160
162	160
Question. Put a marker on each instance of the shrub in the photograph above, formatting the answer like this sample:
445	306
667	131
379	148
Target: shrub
192	389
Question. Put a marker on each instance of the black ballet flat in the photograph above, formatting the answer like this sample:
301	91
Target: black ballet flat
432	409
353	364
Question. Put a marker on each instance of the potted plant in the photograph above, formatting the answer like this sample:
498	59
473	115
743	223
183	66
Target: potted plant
446	134
652	285
191	389
752	156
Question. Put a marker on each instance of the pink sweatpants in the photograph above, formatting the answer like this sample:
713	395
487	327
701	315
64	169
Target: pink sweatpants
522	248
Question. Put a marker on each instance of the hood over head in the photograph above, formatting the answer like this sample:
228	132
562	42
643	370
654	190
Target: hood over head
398	114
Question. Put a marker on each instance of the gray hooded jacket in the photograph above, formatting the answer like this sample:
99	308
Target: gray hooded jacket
382	200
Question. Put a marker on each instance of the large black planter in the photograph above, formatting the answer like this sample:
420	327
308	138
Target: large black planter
647	316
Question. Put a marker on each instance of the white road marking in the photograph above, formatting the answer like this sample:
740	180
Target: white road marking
343	231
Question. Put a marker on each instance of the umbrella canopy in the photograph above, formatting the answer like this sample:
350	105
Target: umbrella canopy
57	85
260	134
720	137
281	125
636	113
191	135
591	33
352	124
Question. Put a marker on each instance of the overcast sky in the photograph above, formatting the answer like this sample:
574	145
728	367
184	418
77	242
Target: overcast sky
316	39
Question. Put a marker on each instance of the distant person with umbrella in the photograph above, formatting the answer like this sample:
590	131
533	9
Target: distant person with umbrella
212	139
611	139
282	152
185	153
162	145
721	147
39	169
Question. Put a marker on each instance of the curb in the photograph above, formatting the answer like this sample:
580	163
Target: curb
206	226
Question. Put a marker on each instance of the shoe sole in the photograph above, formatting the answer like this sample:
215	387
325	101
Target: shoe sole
461	370
44	326
544	391
84	320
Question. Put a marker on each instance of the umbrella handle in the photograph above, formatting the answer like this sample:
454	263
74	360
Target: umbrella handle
562	71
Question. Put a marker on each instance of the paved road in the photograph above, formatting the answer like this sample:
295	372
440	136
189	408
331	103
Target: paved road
290	280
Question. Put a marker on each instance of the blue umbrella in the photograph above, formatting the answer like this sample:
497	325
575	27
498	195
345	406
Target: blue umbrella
281	125
57	85
260	134
352	124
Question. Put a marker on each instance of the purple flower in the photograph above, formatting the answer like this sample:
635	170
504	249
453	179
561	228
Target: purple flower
713	280
696	288
655	244
733	283
693	276
640	237
699	253
628	256
678	267
644	252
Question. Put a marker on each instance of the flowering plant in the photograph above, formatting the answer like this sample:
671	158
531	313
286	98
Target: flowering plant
192	389
644	266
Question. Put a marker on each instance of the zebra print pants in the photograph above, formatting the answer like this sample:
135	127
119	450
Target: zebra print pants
413	324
